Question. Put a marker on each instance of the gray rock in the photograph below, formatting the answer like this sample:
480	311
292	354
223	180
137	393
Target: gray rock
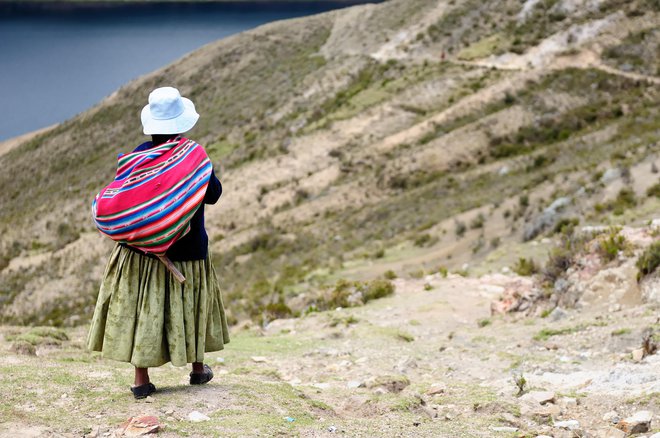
540	397
558	314
561	285
568	424
612	417
547	219
196	416
405	363
610	175
640	422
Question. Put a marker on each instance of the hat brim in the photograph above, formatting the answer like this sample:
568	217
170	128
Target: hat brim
178	125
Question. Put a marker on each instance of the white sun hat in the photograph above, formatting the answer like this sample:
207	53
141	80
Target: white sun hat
168	112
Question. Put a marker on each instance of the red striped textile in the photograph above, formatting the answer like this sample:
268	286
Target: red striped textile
154	195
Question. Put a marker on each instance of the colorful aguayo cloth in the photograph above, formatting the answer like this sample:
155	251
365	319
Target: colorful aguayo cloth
154	195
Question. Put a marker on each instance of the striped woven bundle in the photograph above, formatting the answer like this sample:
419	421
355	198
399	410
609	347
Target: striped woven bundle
154	195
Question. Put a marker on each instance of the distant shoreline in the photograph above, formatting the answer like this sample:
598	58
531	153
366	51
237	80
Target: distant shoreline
72	5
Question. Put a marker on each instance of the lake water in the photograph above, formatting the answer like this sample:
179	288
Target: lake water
59	60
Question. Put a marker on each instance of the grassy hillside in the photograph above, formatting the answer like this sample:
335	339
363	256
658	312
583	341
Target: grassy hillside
405	136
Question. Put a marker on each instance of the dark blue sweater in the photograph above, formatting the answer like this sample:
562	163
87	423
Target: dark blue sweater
194	245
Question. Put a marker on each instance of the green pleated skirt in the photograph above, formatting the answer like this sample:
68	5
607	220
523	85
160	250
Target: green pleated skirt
145	317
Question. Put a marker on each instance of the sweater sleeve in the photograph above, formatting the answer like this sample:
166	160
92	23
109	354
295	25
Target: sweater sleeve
214	190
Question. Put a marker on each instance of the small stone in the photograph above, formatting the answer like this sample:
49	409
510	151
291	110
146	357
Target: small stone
196	417
149	399
332	429
568	424
638	354
430	412
541	397
558	314
138	426
640	422
510	418
355	384
610	175
258	359
405	364
616	307
611	417
170	418
169	412
437	388
568	402
220	359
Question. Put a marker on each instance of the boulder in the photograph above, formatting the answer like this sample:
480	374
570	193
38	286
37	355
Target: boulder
547	219
640	422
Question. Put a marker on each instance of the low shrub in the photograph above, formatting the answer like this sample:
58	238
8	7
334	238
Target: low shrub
566	225
624	200
478	221
653	191
461	228
611	244
525	267
649	261
389	275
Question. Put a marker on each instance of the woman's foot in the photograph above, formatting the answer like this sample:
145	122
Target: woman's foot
200	374
142	387
143	391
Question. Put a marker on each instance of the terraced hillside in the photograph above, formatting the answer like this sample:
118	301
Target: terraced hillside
405	137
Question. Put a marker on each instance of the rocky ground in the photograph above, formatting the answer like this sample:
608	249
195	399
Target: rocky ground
445	355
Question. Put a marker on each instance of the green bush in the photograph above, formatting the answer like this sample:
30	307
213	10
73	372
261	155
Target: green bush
460	229
367	291
478	222
653	191
610	245
649	261
525	267
378	289
624	200
389	275
566	225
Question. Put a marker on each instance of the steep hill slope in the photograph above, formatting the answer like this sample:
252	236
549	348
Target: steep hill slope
400	136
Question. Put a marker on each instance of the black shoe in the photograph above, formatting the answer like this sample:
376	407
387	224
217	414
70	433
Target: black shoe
201	378
143	391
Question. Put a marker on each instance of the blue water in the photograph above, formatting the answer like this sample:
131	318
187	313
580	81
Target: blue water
58	60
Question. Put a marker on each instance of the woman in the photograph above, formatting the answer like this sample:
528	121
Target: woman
143	315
